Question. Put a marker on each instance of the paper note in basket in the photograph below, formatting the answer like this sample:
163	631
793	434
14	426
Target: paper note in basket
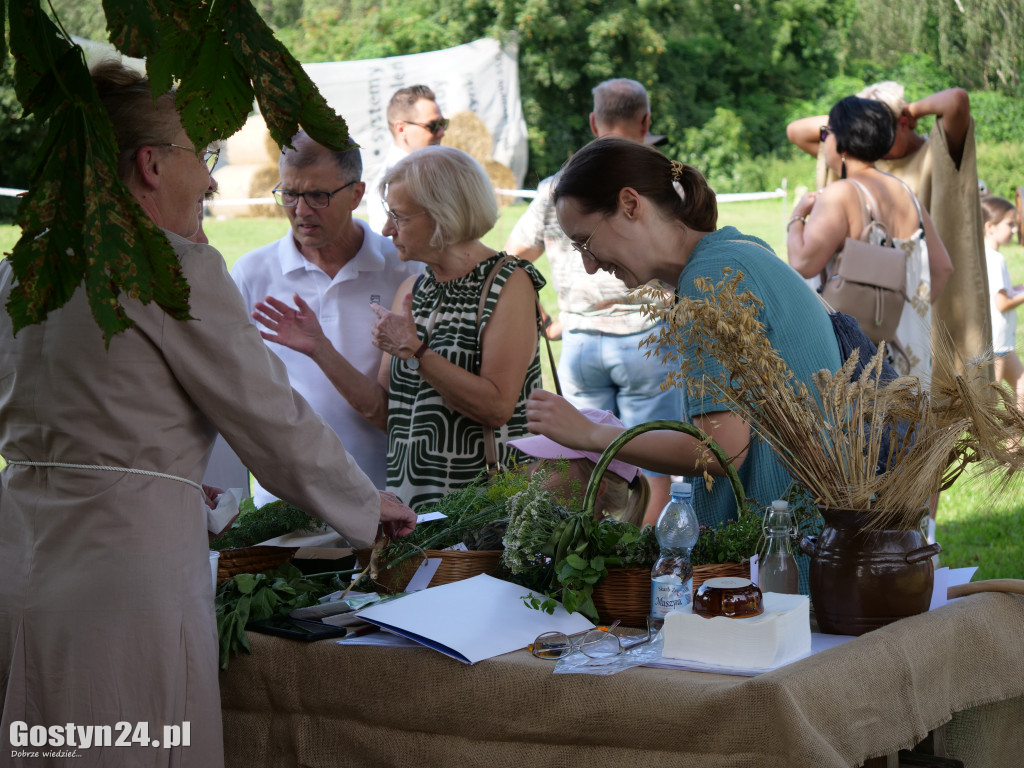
778	636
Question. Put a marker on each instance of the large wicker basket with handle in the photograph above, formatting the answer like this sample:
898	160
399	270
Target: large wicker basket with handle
625	593
455	566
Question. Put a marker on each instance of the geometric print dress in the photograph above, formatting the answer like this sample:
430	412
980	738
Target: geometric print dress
432	448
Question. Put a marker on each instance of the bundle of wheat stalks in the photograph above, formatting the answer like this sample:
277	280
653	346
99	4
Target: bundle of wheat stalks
864	444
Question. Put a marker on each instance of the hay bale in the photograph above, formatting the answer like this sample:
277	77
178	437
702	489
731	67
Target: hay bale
252	145
469	133
502	178
245	181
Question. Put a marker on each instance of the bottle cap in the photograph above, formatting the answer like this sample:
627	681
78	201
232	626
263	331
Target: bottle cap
681	488
780	506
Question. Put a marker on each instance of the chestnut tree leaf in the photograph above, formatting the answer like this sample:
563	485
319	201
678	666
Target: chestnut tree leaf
286	96
80	224
134	26
215	96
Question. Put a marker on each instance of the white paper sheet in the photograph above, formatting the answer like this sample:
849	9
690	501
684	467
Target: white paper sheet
379	638
472	619
421	578
426	517
946	578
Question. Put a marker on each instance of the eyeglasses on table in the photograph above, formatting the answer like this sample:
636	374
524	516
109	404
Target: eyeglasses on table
597	643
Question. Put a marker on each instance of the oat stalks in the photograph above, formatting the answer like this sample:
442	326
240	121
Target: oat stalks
882	448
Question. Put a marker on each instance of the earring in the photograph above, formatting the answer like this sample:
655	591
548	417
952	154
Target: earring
842	174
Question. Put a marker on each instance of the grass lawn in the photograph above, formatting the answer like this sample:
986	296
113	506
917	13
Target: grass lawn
978	524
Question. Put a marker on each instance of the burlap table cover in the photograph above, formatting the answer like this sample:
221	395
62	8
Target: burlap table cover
320	704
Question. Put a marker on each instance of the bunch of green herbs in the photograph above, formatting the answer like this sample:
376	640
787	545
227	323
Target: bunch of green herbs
255	524
563	555
736	541
474	516
249	597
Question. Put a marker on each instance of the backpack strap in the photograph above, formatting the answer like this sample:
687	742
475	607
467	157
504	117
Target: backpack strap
869	204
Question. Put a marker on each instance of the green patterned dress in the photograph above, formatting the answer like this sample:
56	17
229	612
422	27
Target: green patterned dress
433	449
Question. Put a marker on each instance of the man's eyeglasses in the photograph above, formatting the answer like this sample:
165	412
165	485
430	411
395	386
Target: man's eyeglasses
289	198
599	643
208	156
823	133
396	219
434	127
584	247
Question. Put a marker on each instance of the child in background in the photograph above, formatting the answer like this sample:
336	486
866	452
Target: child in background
1000	219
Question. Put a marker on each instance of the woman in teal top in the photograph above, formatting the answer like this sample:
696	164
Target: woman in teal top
631	211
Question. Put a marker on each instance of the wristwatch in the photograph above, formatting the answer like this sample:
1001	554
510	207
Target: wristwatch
414	361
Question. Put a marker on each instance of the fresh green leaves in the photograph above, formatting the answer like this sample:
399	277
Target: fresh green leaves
731	542
473	515
250	597
564	556
80	224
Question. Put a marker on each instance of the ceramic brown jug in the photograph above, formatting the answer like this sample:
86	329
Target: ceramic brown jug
863	579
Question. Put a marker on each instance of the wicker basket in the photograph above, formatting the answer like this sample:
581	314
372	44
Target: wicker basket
251	560
455	566
625	593
702	573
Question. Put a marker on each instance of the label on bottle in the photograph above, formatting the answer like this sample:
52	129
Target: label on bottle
669	593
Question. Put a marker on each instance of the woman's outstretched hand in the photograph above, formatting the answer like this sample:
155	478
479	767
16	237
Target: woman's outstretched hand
557	419
297	329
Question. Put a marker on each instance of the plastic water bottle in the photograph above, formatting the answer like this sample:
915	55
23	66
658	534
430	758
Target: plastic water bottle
777	571
672	576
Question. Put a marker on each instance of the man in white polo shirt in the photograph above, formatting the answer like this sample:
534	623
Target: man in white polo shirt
338	266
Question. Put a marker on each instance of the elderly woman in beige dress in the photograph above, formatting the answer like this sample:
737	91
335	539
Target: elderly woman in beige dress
106	611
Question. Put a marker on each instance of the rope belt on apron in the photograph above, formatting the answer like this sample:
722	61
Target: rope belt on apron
130	470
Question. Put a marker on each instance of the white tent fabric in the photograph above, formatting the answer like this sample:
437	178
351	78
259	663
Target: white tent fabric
482	76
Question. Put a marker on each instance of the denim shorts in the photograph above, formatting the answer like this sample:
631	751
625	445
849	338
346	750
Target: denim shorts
614	374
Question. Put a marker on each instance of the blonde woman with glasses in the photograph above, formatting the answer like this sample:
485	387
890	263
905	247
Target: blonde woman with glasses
460	344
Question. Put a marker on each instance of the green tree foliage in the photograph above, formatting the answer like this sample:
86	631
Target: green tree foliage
694	56
976	44
80	223
724	77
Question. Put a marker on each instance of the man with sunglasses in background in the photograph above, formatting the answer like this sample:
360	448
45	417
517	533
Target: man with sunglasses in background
338	266
415	122
600	324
